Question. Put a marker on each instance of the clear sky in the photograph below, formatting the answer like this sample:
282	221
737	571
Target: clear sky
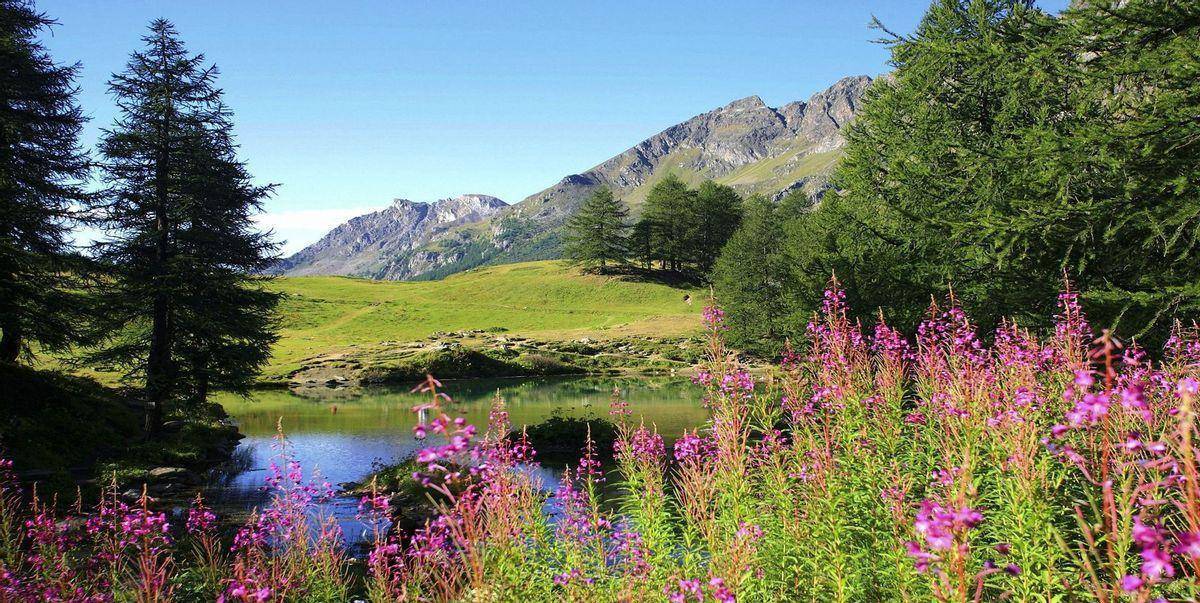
350	104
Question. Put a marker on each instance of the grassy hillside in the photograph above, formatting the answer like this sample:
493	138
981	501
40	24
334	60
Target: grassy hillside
546	300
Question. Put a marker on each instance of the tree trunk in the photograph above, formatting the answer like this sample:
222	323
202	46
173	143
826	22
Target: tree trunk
10	342
158	365
200	394
158	386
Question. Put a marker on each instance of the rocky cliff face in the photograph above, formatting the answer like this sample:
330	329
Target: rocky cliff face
745	144
752	147
373	244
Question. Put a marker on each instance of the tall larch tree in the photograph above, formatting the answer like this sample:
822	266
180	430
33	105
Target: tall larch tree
753	281
666	215
715	213
225	326
1011	147
933	163
42	173
597	235
179	240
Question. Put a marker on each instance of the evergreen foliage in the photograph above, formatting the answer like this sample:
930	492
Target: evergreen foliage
684	229
716	212
179	307
596	234
666	214
42	169
1010	149
753	279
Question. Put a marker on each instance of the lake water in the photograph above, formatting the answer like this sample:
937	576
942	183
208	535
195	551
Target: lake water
340	434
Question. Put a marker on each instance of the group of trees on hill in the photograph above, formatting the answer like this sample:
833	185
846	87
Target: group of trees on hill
681	230
1008	150
167	294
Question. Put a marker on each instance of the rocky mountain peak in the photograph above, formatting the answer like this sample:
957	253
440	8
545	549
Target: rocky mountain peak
369	245
470	207
828	111
745	143
750	103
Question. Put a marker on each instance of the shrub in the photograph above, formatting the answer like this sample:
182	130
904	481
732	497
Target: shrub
563	438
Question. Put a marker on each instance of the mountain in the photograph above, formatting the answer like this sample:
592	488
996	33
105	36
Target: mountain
377	244
746	144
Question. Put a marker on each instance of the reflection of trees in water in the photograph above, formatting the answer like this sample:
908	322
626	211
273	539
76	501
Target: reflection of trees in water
673	402
221	490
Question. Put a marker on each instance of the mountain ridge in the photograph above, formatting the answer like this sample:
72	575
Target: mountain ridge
746	144
364	244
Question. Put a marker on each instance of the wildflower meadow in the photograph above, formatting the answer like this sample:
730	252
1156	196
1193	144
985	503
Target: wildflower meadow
865	467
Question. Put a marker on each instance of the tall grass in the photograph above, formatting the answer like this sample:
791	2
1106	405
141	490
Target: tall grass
866	468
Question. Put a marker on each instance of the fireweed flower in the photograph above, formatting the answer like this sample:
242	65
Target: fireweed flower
684	590
1152	538
771	446
1131	583
714	319
720	592
577	522
1071	329
617	406
1188	544
200	519
630	553
890	345
642	446
690	447
748	532
372	504
574	575
1188	386
941	525
737	384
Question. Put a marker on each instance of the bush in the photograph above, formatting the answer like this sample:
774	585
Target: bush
562	438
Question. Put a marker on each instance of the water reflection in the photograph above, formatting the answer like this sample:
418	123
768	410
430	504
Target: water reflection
338	435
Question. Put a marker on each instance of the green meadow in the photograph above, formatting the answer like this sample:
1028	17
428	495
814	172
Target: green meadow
544	300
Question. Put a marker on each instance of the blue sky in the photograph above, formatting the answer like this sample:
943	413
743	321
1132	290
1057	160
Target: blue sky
350	104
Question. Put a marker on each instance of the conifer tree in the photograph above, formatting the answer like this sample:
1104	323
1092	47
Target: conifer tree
226	324
714	215
179	307
753	281
596	234
42	170
1120	178
666	215
1012	147
641	244
934	164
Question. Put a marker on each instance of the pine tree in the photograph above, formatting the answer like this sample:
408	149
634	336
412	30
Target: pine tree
714	215
666	215
596	234
753	281
42	170
1122	176
178	307
641	244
